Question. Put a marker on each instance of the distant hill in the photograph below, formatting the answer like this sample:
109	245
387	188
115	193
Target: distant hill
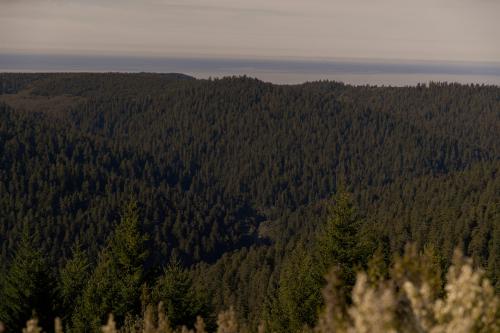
231	174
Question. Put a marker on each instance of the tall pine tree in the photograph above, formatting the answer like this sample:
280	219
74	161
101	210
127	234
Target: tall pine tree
115	285
27	289
338	244
72	280
182	301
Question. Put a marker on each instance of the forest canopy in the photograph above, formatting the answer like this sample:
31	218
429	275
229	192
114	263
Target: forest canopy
121	190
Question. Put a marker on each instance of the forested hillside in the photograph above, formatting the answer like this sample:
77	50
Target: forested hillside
232	192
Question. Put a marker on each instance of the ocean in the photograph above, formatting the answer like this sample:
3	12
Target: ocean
279	71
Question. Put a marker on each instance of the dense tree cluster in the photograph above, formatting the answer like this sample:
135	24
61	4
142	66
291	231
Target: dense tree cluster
231	182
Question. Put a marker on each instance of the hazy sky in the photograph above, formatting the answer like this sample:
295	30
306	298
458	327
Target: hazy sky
467	30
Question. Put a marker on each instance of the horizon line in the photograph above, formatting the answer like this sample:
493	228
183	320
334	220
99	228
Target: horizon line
285	58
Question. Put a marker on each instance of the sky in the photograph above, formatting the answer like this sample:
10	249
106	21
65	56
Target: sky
424	30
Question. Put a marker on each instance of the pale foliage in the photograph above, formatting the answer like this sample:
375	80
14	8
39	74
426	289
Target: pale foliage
110	326
373	309
58	327
32	327
152	322
226	322
469	305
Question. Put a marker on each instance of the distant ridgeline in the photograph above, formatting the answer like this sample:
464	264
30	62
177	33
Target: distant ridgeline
233	176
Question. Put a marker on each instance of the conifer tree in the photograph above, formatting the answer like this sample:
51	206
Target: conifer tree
27	289
73	278
115	285
182	302
299	298
340	244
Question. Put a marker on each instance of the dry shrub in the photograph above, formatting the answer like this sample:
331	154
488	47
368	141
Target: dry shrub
407	303
32	327
227	322
110	326
58	327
